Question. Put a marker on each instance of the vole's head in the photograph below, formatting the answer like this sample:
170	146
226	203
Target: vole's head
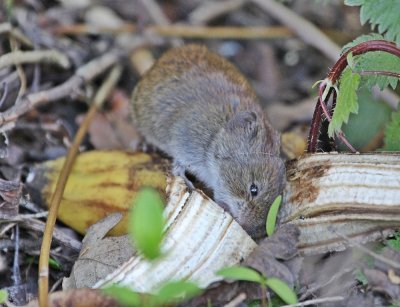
249	173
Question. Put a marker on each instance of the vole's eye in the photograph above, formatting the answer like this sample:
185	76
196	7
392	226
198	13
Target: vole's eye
253	190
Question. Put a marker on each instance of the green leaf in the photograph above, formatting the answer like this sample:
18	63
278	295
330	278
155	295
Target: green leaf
383	14
176	291
392	133
364	128
55	264
346	101
377	61
146	223
241	273
360	276
3	296
124	295
282	290
395	242
272	214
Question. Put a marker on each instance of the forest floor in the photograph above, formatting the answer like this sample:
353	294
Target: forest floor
72	46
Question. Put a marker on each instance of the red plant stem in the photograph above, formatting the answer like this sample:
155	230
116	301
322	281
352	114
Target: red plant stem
374	45
314	129
333	76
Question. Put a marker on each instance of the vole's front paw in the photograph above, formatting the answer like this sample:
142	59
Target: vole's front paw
180	170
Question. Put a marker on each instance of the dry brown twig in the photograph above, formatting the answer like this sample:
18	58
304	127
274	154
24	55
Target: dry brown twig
83	75
18	57
98	100
185	31
7	28
38	226
21	73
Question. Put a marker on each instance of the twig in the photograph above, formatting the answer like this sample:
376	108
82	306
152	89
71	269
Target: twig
209	10
304	29
237	300
186	31
318	301
38	226
24	57
39	215
7	28
320	285
20	71
98	100
4	94
84	74
16	275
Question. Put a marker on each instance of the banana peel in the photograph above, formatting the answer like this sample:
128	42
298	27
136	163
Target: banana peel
100	183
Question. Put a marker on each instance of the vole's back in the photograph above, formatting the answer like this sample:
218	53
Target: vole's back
187	97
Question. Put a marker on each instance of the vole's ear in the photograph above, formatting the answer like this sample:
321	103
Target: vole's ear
246	120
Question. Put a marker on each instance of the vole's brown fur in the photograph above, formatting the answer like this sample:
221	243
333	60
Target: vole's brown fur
199	109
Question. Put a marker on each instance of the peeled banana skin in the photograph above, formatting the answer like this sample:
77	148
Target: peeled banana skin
100	183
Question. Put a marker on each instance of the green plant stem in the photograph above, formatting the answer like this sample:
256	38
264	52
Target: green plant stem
263	288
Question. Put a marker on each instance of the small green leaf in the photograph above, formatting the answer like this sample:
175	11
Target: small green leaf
3	296
146	223
346	101
350	60
272	214
55	264
176	291
395	242
392	133
241	273
282	290
369	123
360	276
383	14
124	295
377	61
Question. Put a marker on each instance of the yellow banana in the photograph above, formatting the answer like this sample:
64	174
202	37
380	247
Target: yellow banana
101	182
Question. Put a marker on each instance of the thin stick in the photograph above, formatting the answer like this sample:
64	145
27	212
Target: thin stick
100	97
237	300
318	301
186	31
24	57
20	71
304	29
7	28
209	10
